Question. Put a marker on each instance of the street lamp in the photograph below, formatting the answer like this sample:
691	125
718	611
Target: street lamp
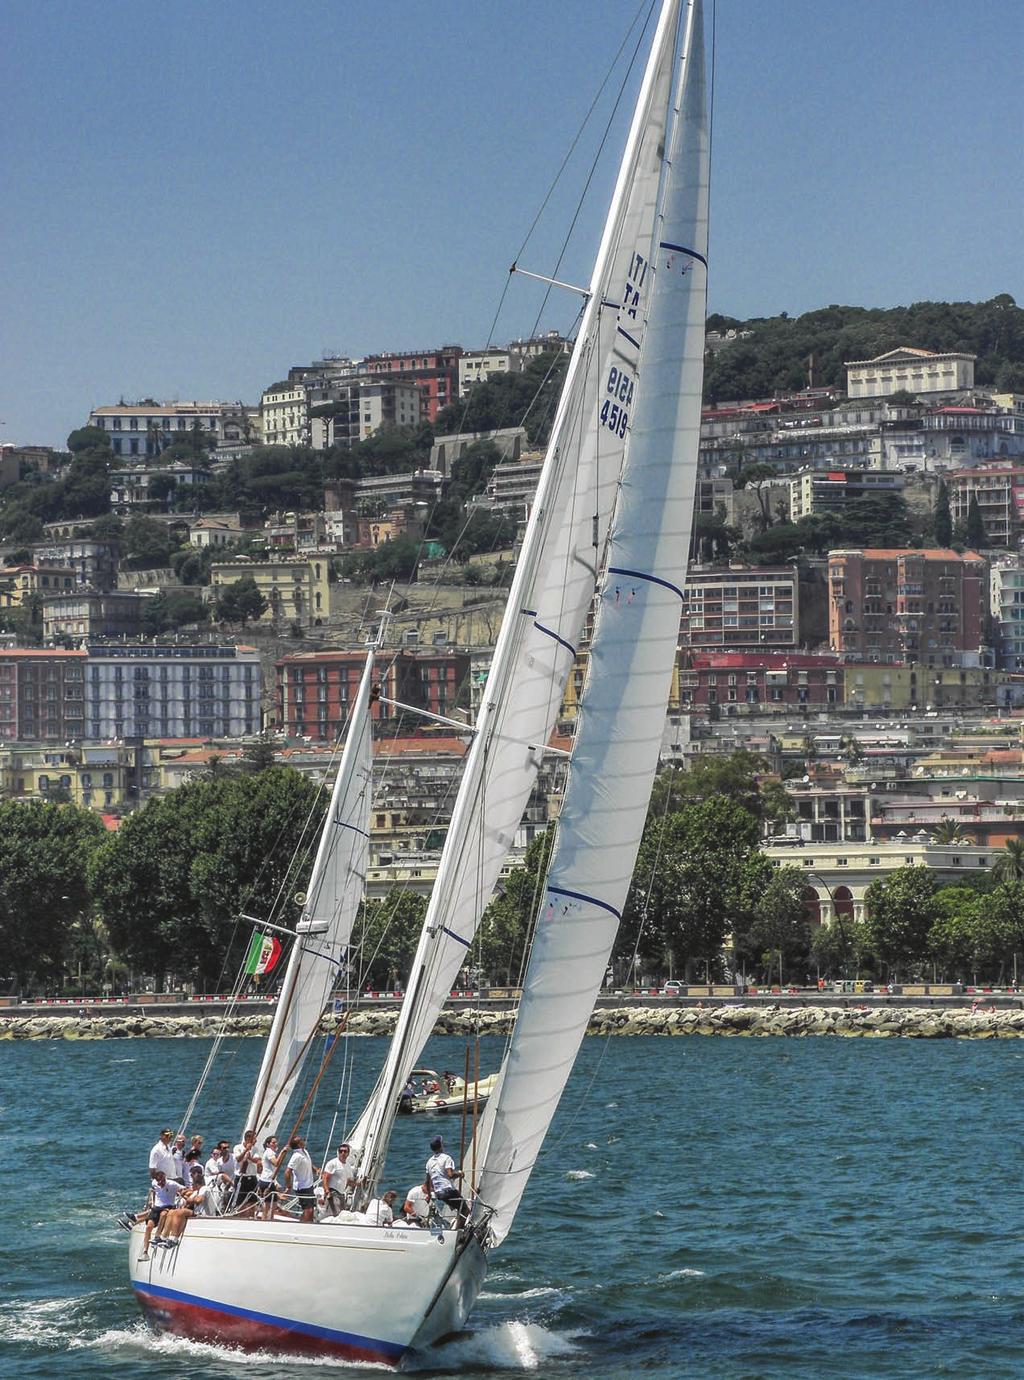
838	919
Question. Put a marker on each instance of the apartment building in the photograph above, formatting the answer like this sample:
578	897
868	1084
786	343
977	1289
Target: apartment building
821	491
434	372
477	366
923	606
20	584
909	370
147	428
297	591
315	689
95	563
741	607
284	415
41	695
1006	603
85	614
998	488
758	682
342	413
172	691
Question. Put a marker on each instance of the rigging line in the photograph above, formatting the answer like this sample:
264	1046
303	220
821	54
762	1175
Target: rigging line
558	175
594	164
634	961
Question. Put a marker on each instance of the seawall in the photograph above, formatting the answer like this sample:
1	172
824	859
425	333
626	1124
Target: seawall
733	1020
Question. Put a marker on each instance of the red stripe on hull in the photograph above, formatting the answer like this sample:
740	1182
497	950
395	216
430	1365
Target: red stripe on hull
248	1334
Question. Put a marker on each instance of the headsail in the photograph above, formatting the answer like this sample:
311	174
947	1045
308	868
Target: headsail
323	932
555	581
622	716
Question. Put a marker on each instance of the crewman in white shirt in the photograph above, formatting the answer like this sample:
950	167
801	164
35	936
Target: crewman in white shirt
441	1173
416	1207
162	1156
299	1177
379	1210
337	1176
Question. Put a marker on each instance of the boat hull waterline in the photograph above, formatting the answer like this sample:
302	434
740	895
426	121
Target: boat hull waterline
359	1293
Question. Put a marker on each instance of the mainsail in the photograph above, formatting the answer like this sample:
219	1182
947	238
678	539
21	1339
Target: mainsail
622	716
555	581
323	932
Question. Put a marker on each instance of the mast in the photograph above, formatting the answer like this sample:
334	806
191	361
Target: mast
324	929
553	587
622	714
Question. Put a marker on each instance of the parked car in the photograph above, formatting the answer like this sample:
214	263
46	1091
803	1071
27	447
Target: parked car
672	989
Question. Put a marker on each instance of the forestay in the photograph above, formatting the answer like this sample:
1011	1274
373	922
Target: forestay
555	581
324	931
622	715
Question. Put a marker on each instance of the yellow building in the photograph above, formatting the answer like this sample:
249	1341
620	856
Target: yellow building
18	583
98	778
295	591
898	688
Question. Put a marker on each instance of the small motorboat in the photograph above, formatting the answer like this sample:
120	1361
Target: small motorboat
430	1091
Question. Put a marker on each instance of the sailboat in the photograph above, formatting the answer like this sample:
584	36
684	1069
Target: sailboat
610	528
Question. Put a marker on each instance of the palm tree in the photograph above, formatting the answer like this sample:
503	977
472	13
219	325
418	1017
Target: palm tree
1009	866
949	831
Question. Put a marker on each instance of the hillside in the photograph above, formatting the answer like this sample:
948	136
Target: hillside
775	356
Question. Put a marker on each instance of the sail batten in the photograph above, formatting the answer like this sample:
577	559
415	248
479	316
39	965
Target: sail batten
632	656
332	900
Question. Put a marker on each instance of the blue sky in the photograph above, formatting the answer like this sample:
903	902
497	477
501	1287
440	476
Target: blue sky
198	195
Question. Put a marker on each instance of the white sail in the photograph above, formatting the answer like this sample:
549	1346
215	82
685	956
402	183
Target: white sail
323	933
622	718
555	580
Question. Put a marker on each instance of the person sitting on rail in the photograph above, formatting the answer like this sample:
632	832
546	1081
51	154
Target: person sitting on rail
162	1195
196	1201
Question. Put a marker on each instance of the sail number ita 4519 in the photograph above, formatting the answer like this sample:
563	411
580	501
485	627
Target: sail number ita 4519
615	409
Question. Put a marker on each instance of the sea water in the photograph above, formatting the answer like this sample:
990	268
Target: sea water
705	1207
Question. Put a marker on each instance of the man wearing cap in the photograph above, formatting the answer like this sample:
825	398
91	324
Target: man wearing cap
337	1177
442	1174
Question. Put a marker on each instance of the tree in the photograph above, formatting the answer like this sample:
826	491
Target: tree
259	755
171	609
386	938
241	601
901	912
44	854
974	529
170	884
952	937
690	883
948	831
1009	865
147	543
942	521
779	935
508	920
735	776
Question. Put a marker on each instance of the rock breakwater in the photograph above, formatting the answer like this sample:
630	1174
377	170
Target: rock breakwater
749	1021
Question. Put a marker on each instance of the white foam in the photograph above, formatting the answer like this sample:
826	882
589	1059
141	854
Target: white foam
681	1274
140	1340
540	1292
512	1346
590	1145
574	1175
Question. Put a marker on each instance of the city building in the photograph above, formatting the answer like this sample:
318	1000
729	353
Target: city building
958	435
741	607
297	591
143	488
95	563
923	606
172	691
84	614
435	373
881	687
215	530
820	491
998	488
147	428
509	441
17	462
41	695
759	682
909	370
19	584
315	689
477	366
345	412
284	415
512	485
100	776
1006	605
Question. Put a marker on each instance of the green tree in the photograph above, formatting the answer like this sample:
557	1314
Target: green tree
1009	865
147	543
508	920
171	609
386	938
901	912
942	521
241	601
171	883
44	854
948	831
735	775
974	529
952	939
778	936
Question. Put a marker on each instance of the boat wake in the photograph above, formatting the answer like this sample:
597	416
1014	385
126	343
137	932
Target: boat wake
507	1346
138	1340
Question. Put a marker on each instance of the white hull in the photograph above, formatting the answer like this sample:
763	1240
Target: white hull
359	1292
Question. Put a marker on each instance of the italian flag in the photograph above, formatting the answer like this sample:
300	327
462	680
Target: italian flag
264	951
